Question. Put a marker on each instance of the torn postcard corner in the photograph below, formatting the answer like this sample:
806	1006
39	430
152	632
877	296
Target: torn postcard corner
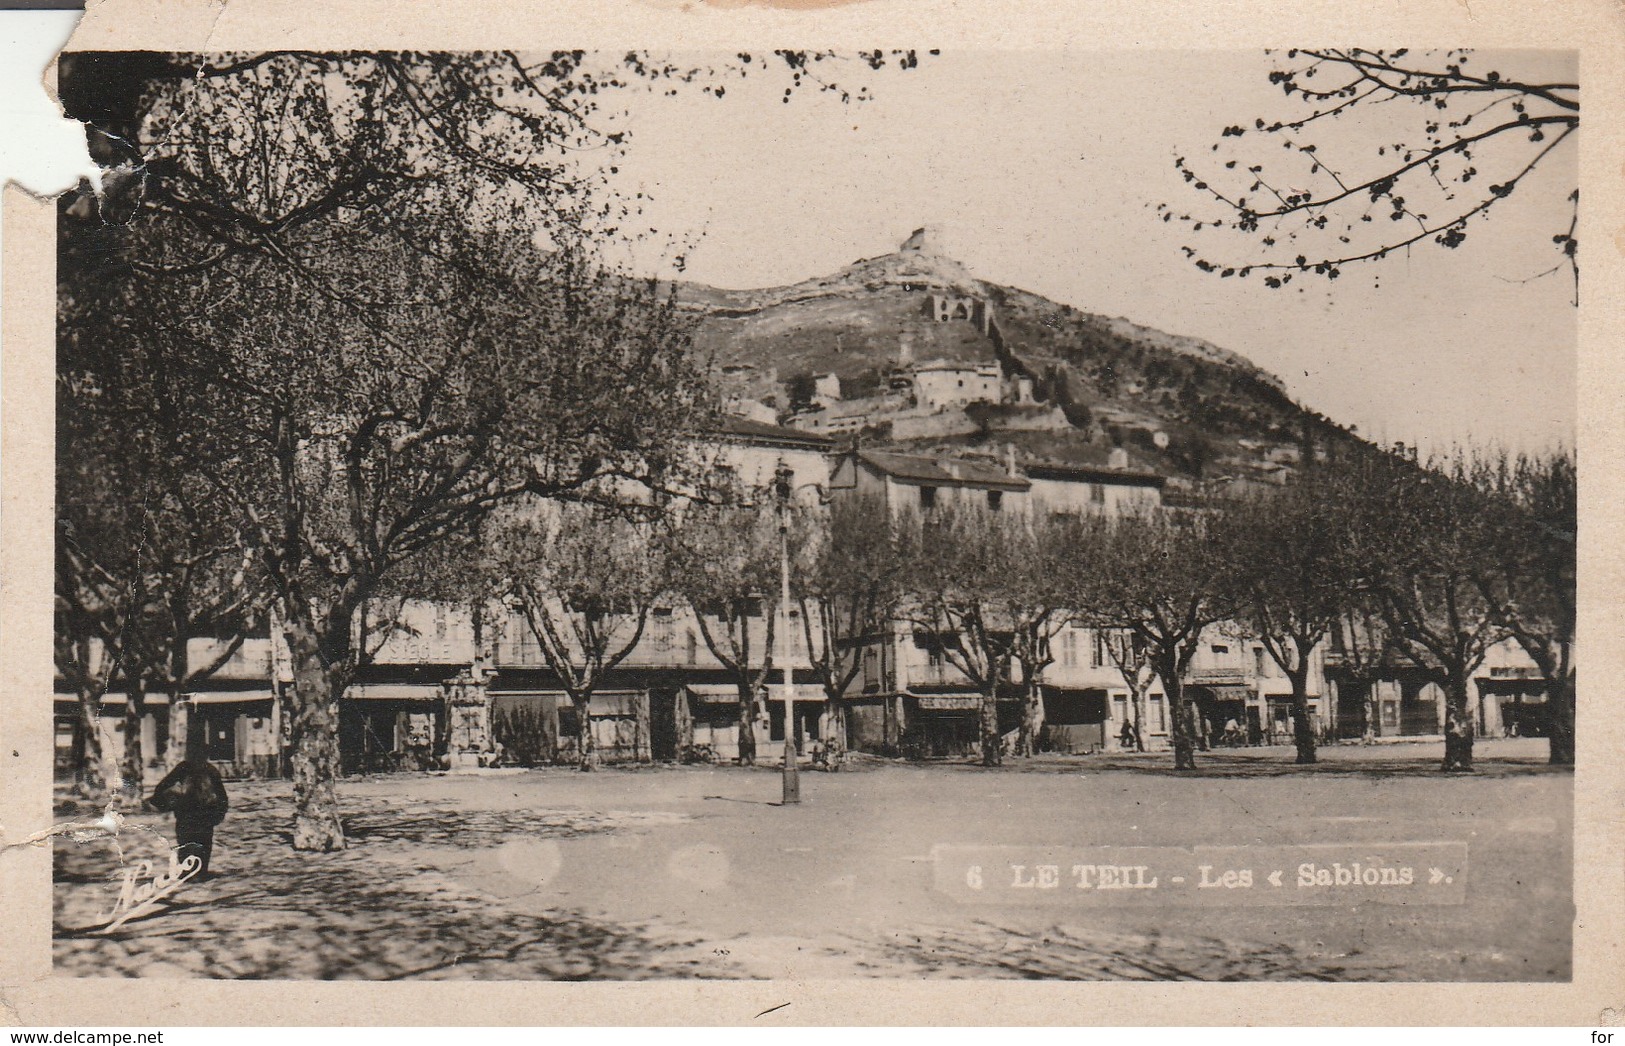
45	153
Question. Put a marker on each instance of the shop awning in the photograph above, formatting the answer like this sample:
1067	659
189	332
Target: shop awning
208	697
607	703
1229	693
715	693
227	697
804	692
117	698
949	702
614	703
395	692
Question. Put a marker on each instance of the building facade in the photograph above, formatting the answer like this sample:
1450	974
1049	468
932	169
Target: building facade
449	684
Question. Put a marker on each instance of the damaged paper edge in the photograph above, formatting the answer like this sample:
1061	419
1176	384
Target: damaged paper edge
77	165
47	157
46	154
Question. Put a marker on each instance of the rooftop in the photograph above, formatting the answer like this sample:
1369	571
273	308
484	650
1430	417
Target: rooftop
941	471
761	431
1094	474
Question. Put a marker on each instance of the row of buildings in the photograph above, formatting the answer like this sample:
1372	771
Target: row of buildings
457	683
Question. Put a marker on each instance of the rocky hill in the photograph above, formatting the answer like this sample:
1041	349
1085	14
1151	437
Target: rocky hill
1073	384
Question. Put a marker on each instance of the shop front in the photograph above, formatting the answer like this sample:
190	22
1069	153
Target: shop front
385	727
941	726
709	733
1076	721
1513	707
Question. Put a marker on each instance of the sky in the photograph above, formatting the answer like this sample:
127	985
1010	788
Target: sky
1043	171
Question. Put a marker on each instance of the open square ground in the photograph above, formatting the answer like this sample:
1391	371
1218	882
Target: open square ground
697	872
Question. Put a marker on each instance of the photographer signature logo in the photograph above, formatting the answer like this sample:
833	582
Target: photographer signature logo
141	896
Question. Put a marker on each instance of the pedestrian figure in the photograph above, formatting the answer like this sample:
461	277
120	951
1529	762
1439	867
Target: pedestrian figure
1127	737
196	795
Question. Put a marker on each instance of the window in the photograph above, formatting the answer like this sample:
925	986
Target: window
1260	665
1097	650
1220	649
995	499
1097	493
525	650
660	629
932	645
1069	649
692	645
1159	720
928	497
440	622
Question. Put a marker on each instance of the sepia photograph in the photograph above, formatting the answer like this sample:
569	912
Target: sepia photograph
810	515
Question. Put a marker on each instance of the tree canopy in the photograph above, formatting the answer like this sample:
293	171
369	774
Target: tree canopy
1382	151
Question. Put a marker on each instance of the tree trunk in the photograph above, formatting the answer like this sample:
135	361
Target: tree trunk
1303	731
1032	720
835	735
992	742
133	771
317	688
1458	726
1174	691
180	726
91	777
1138	698
642	744
684	724
1373	714
747	727
586	749
1560	698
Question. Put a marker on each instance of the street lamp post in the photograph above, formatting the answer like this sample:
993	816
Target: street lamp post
782	478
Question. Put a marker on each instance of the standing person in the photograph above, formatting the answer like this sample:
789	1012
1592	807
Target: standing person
197	796
1126	737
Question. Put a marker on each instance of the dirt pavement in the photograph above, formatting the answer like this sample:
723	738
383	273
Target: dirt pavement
697	872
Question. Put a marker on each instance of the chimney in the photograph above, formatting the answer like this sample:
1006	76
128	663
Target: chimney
1010	458
1117	459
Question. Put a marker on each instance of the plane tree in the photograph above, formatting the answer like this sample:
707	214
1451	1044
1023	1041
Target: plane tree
1130	654
379	283
1424	541
148	558
1295	578
584	578
1529	577
1053	559
1166	577
848	581
1361	650
725	562
958	561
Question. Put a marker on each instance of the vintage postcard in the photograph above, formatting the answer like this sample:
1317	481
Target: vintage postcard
802	506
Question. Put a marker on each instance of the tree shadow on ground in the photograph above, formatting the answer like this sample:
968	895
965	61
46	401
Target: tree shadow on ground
370	912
